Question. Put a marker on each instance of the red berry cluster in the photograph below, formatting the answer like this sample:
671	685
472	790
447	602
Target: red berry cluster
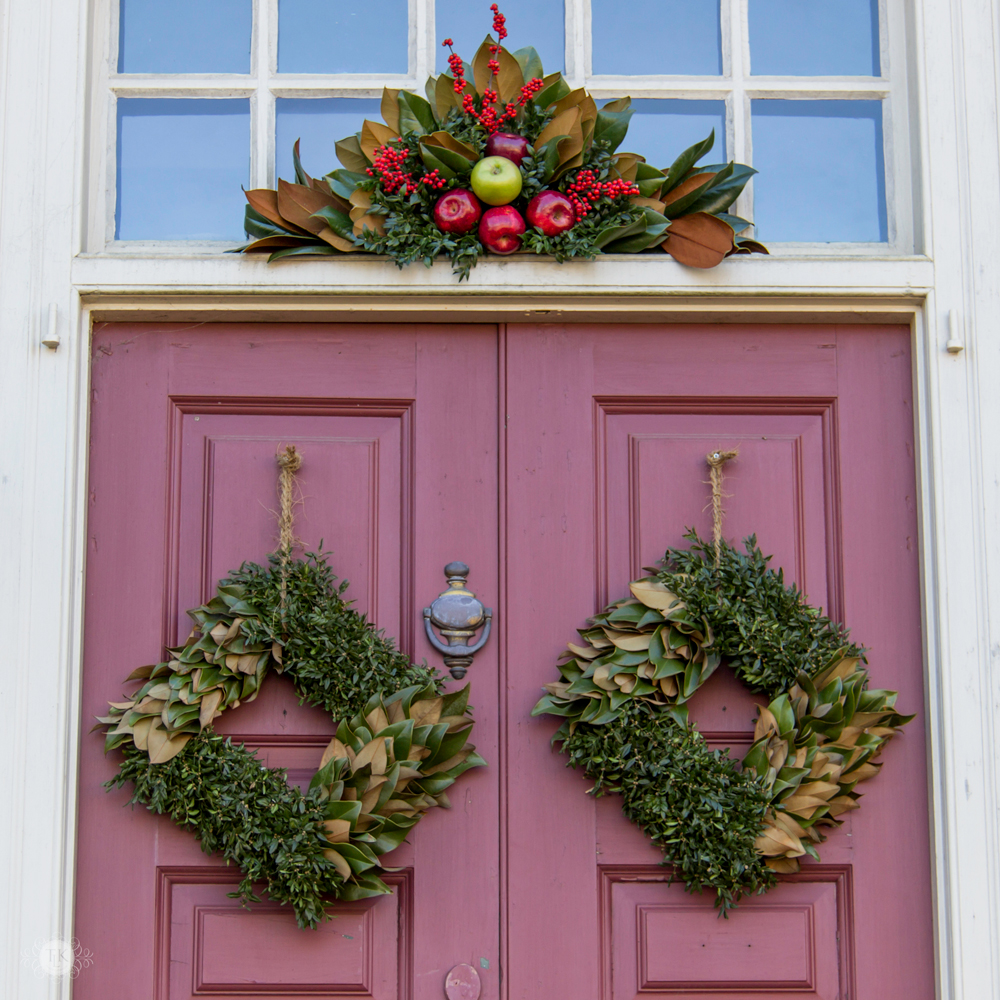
529	90
388	167
586	190
434	180
499	23
456	67
488	118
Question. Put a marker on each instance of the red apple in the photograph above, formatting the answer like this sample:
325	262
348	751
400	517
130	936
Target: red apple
507	144
551	212
457	211
500	229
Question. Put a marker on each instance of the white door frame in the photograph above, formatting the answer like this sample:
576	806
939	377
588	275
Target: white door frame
44	430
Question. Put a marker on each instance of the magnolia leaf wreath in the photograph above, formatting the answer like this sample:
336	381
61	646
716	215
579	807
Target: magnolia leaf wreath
623	699
400	742
501	157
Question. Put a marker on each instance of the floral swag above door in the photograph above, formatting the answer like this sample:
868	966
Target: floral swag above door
501	158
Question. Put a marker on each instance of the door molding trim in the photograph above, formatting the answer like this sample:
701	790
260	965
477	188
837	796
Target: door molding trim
379	306
841	876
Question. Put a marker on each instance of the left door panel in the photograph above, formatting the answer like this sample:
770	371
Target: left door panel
398	431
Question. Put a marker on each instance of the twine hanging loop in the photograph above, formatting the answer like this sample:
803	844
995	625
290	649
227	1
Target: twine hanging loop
716	460
289	462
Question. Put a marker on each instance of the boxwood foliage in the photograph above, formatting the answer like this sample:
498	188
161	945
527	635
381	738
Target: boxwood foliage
763	629
692	802
245	811
331	653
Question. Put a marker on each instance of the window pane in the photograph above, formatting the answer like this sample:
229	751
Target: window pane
184	36
822	174
180	167
319	123
661	130
814	38
348	36
656	36
541	23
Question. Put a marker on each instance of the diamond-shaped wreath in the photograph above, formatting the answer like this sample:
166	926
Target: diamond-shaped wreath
502	158
623	700
400	742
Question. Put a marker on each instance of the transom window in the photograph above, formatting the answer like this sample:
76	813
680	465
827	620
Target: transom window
206	96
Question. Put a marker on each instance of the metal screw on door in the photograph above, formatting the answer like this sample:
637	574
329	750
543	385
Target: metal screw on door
458	614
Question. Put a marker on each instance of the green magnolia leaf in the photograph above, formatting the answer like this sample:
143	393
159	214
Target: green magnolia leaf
457	702
339	222
364	888
344	182
649	180
256	225
310	250
301	177
684	205
738	224
612	233
611	127
434	161
530	63
415	115
722	193
549	157
555	89
654	234
680	167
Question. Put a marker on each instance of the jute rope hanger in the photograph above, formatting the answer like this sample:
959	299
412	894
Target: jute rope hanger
716	460
289	462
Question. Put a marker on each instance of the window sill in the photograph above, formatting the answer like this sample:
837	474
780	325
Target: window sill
182	273
195	286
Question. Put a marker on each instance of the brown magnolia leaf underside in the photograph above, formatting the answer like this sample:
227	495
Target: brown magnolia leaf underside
265	202
373	135
698	240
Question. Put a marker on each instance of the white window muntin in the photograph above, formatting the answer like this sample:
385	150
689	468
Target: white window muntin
735	87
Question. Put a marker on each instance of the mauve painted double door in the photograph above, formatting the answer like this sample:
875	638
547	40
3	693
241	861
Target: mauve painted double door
557	462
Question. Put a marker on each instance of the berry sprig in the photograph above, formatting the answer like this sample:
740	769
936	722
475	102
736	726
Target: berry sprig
486	116
455	65
499	23
500	27
388	168
586	190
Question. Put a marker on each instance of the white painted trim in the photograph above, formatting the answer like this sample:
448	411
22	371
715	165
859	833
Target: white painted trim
520	273
54	178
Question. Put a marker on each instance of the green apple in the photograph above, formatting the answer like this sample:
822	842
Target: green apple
496	180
